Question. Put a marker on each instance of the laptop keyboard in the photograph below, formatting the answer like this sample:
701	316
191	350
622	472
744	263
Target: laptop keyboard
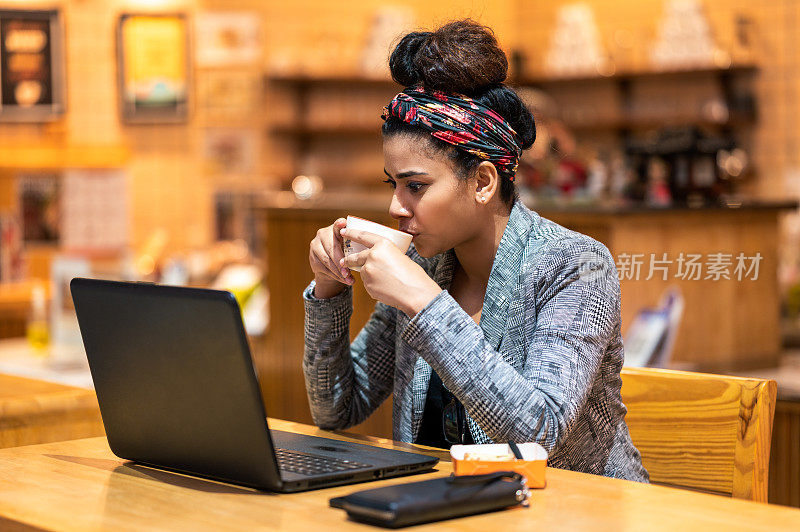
313	464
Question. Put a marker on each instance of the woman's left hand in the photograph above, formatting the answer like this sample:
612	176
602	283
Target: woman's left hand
389	275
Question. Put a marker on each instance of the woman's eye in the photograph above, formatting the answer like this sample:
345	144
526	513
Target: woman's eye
390	182
415	187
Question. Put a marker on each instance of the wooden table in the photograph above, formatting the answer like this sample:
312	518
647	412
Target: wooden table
34	411
80	485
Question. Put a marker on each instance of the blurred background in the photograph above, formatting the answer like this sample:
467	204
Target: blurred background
203	143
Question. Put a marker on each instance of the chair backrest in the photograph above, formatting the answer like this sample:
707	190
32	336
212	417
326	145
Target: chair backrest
701	431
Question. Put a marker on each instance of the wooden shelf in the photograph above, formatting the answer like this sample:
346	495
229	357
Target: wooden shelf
640	75
329	130
300	79
616	124
624	125
634	123
305	79
31	156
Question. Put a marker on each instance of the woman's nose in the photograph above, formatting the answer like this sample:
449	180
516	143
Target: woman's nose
396	209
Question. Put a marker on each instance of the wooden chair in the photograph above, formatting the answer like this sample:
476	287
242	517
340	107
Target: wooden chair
700	431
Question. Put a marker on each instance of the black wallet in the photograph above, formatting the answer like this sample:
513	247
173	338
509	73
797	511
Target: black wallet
433	500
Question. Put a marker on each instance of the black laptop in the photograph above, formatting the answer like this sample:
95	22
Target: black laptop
177	390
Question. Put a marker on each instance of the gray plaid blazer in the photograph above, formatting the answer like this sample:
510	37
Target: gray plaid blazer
543	365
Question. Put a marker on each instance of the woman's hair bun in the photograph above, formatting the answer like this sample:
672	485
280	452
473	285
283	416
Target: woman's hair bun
461	56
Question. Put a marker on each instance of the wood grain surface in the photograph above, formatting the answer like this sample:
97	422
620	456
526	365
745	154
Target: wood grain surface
80	485
15	306
784	465
702	431
33	411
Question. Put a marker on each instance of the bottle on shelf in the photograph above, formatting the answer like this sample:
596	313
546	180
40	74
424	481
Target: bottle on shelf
37	330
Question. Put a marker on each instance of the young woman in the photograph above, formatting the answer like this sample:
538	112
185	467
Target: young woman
497	325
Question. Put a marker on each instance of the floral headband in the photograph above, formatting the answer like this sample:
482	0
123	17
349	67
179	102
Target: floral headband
460	121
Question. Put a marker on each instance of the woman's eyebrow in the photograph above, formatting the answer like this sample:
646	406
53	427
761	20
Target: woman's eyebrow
403	175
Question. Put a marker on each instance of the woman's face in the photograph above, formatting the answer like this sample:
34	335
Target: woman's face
430	200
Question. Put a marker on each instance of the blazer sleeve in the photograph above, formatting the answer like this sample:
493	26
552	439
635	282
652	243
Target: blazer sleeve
576	312
346	383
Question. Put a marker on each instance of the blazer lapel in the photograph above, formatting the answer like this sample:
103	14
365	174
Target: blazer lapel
494	317
504	276
443	275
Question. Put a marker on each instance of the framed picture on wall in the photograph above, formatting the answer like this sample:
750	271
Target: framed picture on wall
31	65
154	68
226	94
39	199
228	38
230	150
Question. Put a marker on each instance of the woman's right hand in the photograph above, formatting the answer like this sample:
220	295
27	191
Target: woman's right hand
324	255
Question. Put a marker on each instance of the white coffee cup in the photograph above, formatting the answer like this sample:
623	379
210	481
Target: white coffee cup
398	238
